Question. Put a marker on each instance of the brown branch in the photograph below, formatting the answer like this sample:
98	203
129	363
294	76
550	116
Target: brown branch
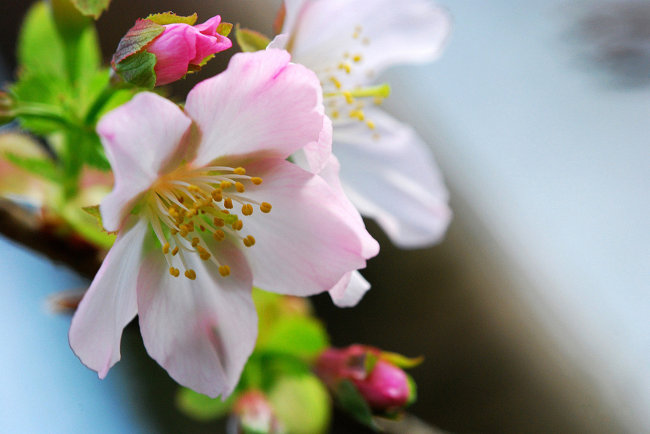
48	237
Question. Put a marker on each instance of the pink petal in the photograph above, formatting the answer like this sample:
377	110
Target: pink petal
260	104
393	179
350	290
173	49
110	302
202	331
140	138
308	241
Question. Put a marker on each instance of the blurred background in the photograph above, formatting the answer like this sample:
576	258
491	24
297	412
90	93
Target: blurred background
533	312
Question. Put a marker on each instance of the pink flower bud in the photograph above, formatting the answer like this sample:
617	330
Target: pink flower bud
182	46
383	385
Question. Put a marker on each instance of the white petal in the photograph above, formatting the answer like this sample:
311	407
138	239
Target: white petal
202	331
350	290
140	138
110	302
394	179
261	104
382	32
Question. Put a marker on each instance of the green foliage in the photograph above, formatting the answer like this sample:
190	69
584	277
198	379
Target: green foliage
400	360
38	166
92	8
250	40
201	407
303	337
302	404
224	29
171	18
353	403
136	39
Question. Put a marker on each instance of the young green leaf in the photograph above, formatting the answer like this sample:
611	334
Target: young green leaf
201	407
250	40
92	8
171	18
40	48
38	166
300	336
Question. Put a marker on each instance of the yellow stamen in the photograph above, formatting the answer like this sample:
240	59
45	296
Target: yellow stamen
175	251
240	187
370	124
238	225
247	209
226	185
357	58
240	171
224	270
216	195
265	207
256	180
165	248
227	203
190	274
174	271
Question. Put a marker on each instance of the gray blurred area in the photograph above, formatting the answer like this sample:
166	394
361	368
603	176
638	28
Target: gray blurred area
492	365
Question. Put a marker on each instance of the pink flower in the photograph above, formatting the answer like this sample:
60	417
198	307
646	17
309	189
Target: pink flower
181	45
383	385
207	206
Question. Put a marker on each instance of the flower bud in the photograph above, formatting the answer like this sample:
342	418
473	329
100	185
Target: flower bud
163	48
253	413
382	384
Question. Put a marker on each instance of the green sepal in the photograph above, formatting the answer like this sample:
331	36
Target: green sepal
77	218
401	361
250	40
164	18
93	8
353	403
135	40
201	407
413	391
370	361
94	211
224	29
138	69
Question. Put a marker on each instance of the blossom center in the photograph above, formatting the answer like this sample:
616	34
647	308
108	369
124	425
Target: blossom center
189	209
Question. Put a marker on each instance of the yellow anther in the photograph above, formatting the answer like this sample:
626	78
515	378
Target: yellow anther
165	248
247	209
190	274
240	187
219	235
256	180
370	124
219	222
227	203
173	231
238	225
335	114
365	41
216	195
205	256
225	185
192	212
376	136
225	211
240	171
174	271
265	207
345	67
348	97
249	241
202	228
183	232
336	82
172	211
181	199
195	241
193	188
224	270
175	251
357	58
378	100
357	114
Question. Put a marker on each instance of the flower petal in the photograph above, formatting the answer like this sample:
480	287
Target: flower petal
202	331
110	302
377	30
260	104
139	137
308	241
393	178
350	290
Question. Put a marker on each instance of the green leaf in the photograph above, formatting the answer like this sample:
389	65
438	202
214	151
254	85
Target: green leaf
85	221
250	40
38	166
171	18
300	336
353	403
224	29
136	39
302	404
92	8
370	362
138	69
88	55
40	47
201	407
400	360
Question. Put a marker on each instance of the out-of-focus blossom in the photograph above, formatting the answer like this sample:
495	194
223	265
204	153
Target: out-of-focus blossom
178	47
386	169
383	385
253	413
193	195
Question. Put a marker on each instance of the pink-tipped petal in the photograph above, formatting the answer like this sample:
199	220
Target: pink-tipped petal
110	302
308	241
173	49
139	138
261	104
381	33
201	331
350	290
394	179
